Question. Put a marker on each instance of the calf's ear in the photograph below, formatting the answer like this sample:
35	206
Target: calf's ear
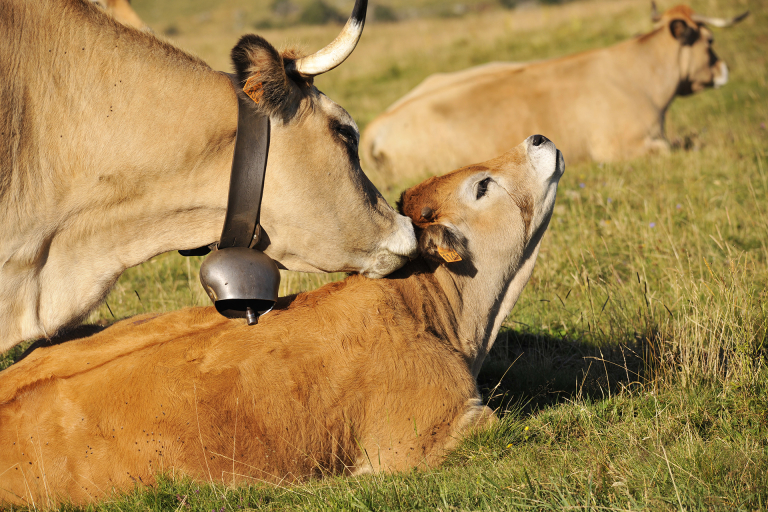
444	244
261	72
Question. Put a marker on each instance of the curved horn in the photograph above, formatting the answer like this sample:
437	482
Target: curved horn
338	51
655	16
719	22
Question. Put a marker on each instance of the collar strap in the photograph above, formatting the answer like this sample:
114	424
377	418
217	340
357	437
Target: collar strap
249	164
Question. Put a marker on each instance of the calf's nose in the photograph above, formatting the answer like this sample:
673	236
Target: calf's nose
538	140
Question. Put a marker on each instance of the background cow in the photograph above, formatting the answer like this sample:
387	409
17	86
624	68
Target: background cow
123	12
604	104
361	375
116	146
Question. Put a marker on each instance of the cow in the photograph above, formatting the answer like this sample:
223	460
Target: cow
605	105
358	376
122	12
116	146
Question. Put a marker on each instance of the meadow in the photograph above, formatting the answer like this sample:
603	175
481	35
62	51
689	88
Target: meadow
632	373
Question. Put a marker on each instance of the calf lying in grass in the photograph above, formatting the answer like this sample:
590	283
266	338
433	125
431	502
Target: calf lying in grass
361	375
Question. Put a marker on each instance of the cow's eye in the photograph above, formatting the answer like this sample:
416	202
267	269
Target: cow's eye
482	187
347	133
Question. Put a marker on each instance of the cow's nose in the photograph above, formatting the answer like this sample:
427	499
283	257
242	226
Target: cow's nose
538	140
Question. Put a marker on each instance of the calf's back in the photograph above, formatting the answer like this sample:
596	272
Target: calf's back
328	385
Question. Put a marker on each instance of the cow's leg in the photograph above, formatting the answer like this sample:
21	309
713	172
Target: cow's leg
401	444
477	416
657	145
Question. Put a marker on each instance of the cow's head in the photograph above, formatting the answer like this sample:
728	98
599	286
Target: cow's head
700	67
486	215
331	218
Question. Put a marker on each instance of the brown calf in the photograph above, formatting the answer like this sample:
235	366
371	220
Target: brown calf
361	375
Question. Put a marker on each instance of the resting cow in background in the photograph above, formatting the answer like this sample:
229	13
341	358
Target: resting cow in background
116	146
358	376
122	12
606	104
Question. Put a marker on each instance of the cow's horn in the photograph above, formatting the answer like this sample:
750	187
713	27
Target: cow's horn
338	51
655	16
719	22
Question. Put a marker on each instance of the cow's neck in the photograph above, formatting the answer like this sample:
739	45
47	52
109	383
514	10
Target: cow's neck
118	176
148	156
180	155
478	304
163	186
655	72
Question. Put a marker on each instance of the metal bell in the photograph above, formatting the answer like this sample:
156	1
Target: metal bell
241	282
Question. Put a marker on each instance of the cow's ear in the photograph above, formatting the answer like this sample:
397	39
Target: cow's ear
682	31
444	244
261	71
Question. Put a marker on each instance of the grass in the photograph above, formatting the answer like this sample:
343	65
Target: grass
632	373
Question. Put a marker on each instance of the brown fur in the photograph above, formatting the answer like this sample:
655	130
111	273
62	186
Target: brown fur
362	375
116	146
607	104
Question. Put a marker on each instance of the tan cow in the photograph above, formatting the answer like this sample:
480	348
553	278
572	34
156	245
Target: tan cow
606	104
122	12
115	146
361	375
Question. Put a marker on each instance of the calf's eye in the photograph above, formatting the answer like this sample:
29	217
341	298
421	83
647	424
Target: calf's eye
482	187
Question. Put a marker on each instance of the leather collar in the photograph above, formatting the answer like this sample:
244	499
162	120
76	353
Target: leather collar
246	182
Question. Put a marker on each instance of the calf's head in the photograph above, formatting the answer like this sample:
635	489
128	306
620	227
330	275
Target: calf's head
319	211
700	67
484	223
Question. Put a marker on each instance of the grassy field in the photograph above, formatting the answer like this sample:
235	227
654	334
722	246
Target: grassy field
632	373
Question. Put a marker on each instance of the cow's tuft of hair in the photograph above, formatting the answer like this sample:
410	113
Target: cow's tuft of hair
254	54
412	204
431	234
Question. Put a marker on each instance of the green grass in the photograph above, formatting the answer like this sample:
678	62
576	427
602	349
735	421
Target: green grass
636	356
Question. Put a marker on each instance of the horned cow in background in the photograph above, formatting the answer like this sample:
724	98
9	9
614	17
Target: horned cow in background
122	11
361	375
605	105
116	146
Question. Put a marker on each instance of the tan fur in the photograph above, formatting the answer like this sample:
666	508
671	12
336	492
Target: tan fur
115	146
359	376
607	104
